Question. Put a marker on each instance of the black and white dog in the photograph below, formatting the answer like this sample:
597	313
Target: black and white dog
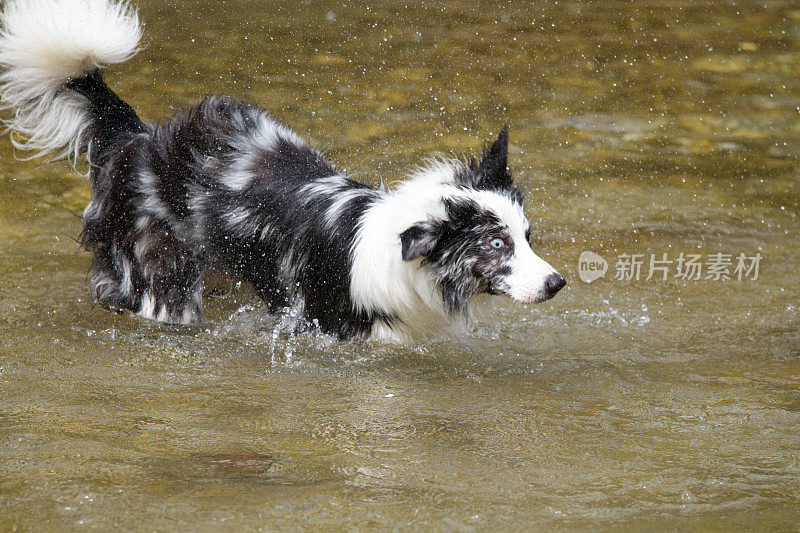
226	185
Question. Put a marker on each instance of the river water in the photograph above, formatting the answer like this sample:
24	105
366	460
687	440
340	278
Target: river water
663	131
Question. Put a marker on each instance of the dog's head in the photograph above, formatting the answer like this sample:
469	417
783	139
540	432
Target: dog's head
482	243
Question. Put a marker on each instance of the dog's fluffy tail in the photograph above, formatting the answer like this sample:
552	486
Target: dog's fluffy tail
44	44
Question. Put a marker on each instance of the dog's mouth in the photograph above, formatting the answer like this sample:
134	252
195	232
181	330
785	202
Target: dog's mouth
549	288
532	298
536	298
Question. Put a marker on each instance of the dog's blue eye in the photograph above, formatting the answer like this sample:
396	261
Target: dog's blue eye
497	243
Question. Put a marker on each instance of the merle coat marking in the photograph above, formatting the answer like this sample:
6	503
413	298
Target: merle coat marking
226	185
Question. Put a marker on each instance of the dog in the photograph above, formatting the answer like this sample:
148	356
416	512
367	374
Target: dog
225	185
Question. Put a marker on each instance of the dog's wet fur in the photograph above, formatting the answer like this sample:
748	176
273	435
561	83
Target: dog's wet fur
225	185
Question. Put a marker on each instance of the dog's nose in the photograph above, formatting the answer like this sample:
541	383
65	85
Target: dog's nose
554	283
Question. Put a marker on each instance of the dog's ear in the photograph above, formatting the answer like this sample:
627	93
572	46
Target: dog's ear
492	171
417	241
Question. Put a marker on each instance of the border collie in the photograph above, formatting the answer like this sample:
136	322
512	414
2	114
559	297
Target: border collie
225	185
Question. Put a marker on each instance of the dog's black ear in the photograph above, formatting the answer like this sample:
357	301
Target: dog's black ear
417	241
492	171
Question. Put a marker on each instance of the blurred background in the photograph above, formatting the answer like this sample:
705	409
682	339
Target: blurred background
652	128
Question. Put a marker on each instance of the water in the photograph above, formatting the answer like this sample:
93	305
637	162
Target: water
644	128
